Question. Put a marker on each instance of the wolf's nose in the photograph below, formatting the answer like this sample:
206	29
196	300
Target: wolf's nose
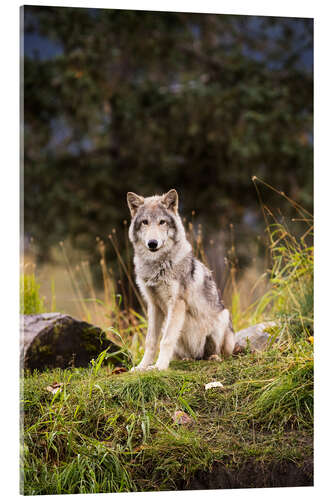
152	244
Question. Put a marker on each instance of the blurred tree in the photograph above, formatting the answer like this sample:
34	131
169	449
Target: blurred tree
146	101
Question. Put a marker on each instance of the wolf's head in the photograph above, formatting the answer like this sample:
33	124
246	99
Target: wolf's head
156	225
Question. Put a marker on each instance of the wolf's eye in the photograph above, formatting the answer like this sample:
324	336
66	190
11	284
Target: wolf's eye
145	222
162	222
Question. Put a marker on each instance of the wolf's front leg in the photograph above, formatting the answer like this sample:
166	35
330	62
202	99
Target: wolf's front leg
170	333
155	321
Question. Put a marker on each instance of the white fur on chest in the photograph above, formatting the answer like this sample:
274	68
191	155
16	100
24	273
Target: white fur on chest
164	294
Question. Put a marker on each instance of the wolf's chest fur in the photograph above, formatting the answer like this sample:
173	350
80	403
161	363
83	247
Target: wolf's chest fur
157	275
161	284
163	295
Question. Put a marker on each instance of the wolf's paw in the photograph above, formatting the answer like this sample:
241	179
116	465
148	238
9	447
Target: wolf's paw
158	366
214	357
152	367
138	368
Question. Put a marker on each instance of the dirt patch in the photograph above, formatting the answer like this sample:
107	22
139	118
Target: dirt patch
252	474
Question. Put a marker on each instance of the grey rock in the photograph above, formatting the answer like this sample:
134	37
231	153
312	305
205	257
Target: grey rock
55	340
255	336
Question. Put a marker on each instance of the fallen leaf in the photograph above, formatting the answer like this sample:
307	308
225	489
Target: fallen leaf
214	357
211	385
237	350
55	387
108	444
181	418
119	369
139	448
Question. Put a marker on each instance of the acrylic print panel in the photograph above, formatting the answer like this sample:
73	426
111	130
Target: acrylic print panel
214	114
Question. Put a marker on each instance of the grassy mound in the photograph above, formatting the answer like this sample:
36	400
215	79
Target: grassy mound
109	433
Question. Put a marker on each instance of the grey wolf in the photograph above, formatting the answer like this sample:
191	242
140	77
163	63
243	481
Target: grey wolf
185	310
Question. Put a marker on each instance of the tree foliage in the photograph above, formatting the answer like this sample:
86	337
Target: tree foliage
145	101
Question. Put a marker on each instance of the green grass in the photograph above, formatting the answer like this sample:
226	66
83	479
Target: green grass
112	433
30	300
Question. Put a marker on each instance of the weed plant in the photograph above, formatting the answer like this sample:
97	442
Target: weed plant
30	300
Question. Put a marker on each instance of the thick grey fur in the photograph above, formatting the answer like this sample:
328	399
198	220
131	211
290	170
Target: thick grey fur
185	309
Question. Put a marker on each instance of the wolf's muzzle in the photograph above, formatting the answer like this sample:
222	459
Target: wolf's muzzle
152	245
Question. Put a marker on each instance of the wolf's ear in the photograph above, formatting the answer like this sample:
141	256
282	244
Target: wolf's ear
134	201
170	200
